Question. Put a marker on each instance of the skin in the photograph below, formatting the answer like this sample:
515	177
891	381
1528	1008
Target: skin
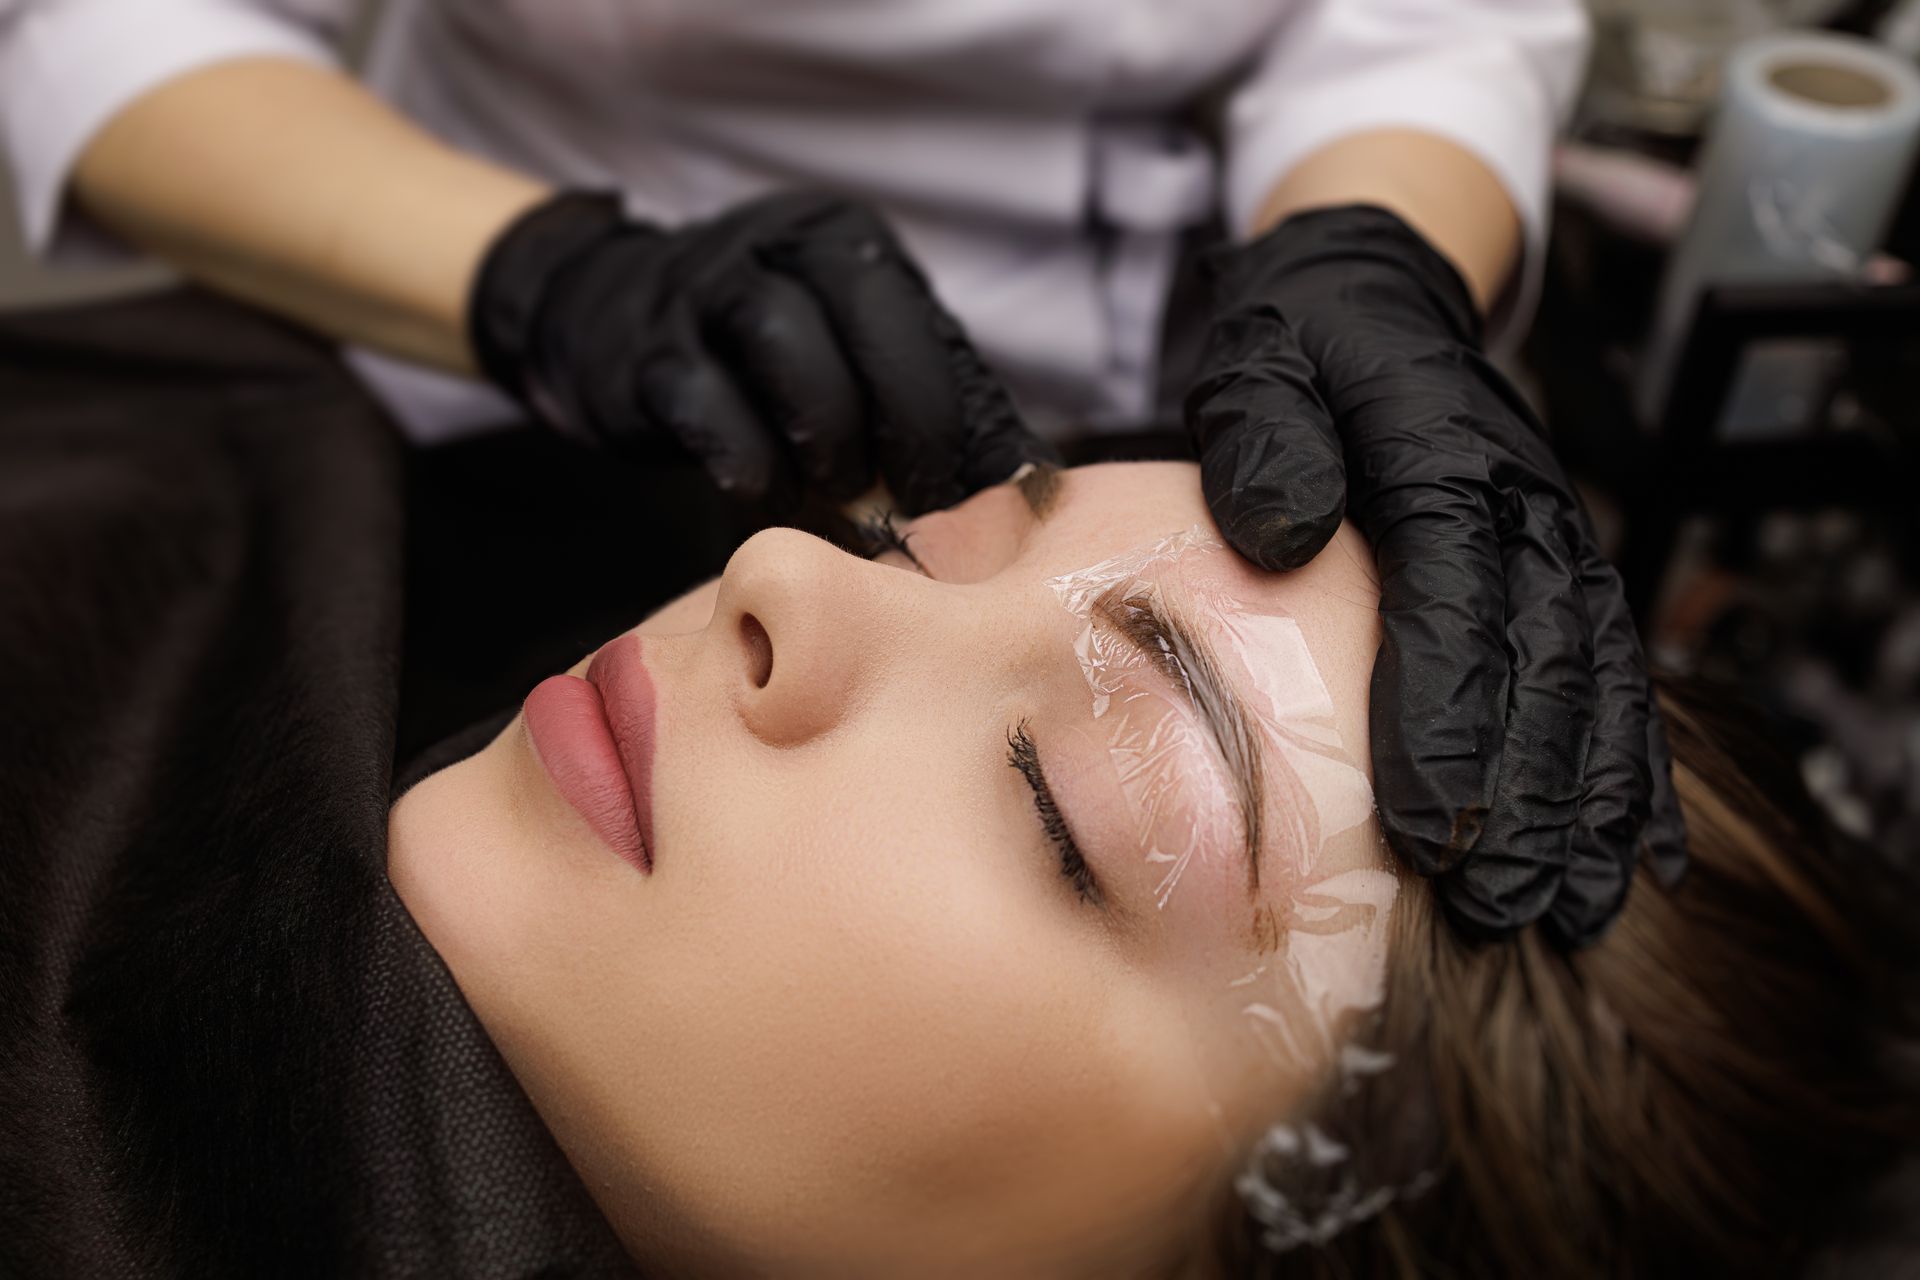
857	1021
1441	189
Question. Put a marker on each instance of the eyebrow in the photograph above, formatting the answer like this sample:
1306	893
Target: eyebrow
1039	486
1178	652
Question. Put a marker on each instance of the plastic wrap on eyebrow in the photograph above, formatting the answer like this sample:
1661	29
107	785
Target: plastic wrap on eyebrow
1323	940
1183	797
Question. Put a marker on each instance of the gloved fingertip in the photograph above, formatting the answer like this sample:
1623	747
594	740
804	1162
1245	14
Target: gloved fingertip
1279	518
1469	916
1037	450
1007	457
1431	842
917	495
1663	840
1279	536
1280	540
1493	898
1591	896
1663	847
738	485
1574	928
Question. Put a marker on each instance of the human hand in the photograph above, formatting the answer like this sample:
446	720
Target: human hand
1519	759
789	343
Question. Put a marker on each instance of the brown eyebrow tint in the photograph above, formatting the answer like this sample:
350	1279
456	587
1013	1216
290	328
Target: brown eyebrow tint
1179	655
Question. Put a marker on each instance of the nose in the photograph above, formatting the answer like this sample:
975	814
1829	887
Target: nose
798	622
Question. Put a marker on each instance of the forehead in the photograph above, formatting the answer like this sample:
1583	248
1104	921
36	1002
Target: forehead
1110	508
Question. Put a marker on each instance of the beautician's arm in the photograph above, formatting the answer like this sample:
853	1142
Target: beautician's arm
294	188
789	344
1518	758
1437	187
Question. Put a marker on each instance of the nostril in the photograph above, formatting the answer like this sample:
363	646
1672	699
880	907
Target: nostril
759	650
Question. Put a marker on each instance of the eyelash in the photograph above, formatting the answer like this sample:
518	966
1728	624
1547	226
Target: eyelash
1022	756
879	534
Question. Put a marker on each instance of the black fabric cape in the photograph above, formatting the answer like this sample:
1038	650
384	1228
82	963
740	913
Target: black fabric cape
225	1050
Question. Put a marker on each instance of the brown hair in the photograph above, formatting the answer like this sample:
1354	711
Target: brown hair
1707	1090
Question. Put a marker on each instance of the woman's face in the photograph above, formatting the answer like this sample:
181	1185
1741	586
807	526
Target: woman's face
950	959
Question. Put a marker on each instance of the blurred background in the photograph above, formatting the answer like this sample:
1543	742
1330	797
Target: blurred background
1764	514
1760	499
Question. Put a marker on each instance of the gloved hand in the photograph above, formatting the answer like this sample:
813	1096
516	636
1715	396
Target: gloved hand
1518	756
789	343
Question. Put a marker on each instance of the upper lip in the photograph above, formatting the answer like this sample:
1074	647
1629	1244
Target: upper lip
628	696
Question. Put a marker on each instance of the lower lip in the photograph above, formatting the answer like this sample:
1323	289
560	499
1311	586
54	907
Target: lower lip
594	737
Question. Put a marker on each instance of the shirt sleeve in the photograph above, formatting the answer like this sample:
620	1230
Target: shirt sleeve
1497	77
68	66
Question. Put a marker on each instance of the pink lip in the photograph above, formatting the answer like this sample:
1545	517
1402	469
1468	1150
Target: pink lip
594	737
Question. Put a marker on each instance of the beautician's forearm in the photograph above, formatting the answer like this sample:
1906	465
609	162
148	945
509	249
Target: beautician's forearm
294	188
1442	190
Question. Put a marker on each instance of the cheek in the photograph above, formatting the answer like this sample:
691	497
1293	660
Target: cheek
844	971
855	989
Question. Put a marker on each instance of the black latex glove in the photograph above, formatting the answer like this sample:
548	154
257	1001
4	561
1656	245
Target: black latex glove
1518	755
789	344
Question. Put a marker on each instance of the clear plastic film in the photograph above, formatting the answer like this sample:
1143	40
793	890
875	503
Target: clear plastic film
1151	622
1243	800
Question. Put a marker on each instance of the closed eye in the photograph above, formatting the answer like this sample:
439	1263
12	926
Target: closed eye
878	535
1025	758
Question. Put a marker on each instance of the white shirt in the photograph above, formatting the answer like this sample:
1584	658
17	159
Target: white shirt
1039	157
